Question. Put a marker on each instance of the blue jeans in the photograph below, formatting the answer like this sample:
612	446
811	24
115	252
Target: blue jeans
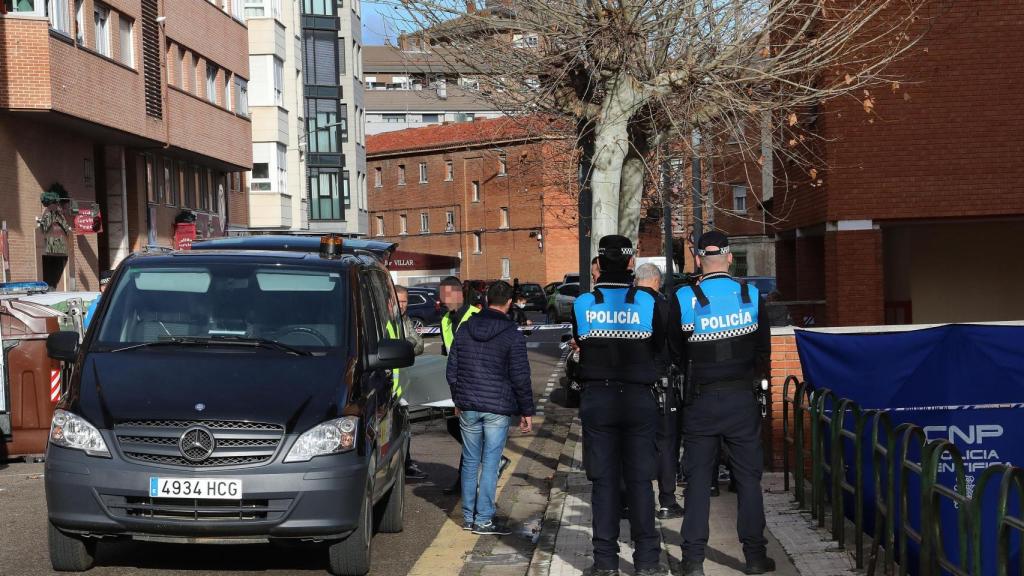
483	439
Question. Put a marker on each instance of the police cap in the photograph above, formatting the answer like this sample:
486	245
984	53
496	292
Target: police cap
712	243
614	252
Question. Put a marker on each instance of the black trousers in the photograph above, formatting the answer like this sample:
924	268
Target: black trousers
455	431
733	416
668	450
619	443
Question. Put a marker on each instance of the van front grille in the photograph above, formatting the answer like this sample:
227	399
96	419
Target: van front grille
196	509
234	443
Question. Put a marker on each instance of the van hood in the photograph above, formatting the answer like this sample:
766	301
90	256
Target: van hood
296	392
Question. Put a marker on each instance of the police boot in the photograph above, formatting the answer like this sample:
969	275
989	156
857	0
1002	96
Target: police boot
651	572
759	566
597	572
691	568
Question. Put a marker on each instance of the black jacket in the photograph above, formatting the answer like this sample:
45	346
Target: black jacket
488	369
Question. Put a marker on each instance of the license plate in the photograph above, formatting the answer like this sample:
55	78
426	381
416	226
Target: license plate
208	488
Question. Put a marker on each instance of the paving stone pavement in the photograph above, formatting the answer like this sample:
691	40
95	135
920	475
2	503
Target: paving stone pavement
798	547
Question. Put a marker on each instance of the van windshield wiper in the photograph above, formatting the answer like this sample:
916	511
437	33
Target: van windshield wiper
218	340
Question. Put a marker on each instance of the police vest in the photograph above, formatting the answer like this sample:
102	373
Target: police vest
396	386
614	326
448	331
717	308
721	316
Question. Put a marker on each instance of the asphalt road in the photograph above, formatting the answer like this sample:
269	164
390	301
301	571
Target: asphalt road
23	543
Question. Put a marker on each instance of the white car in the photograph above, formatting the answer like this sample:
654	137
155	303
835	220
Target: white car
560	303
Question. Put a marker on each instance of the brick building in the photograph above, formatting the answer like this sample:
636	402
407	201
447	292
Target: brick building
136	109
920	213
497	193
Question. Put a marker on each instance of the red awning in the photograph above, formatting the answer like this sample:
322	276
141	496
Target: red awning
418	261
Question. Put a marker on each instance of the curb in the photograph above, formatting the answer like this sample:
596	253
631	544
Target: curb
540	563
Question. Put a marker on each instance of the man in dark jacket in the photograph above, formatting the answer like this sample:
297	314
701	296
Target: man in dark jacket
489	374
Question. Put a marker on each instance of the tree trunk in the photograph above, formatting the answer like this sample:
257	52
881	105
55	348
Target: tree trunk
611	143
631	192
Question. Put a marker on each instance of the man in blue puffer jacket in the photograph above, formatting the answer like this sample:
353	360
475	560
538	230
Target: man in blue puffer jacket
489	374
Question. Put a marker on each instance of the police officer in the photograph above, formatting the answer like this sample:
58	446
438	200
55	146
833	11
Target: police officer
727	350
453	296
619	332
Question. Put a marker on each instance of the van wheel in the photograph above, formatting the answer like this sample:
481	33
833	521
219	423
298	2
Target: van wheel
351	556
70	553
392	519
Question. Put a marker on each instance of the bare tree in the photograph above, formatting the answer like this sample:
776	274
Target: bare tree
636	74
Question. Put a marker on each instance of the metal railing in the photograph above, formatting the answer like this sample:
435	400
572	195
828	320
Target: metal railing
897	455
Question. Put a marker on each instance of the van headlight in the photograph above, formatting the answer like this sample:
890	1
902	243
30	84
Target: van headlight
72	431
331	437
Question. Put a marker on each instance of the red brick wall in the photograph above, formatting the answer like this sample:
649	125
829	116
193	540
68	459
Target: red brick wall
24	63
205	28
854	284
945	143
535	191
785	362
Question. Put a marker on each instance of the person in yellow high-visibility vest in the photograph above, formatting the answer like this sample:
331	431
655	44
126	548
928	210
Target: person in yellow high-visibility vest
453	297
412	470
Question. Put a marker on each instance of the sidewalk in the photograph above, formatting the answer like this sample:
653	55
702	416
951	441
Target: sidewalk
565	548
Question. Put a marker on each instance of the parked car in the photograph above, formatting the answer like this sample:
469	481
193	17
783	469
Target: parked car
238	392
571	278
549	289
536	300
559	307
424	307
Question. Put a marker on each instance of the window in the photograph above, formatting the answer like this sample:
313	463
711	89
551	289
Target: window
478	246
211	83
465	117
58	10
125	24
449	221
322	125
739	198
260	171
191	183
325	200
179	73
403	224
282	168
506	268
175	197
504	217
449	171
226	102
318	7
739	264
101	19
393	118
424	223
170	190
401	174
380	225
502	165
278	81
320	48
341	57
476	191
431	118
80	22
525	40
241	95
378	177
255	8
423	172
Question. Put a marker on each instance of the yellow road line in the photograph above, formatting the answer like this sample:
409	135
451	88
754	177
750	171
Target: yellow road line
449	548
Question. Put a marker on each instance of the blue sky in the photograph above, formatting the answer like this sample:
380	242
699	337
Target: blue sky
376	26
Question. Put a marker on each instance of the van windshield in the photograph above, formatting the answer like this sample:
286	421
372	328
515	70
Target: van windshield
302	308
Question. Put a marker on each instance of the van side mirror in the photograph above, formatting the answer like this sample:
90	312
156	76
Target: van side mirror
62	345
392	354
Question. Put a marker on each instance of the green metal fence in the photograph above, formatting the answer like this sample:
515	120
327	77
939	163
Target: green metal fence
900	456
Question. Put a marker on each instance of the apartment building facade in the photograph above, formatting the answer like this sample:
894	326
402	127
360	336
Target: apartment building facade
332	139
122	125
499	194
410	87
917	209
278	200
